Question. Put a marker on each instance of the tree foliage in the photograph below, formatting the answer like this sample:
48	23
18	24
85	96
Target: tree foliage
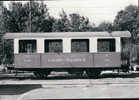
128	19
2	30
105	26
28	17
73	22
62	24
79	23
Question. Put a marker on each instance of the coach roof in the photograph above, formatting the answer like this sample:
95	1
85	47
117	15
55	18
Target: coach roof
67	34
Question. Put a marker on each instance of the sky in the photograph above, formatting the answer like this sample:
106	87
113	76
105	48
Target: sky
96	10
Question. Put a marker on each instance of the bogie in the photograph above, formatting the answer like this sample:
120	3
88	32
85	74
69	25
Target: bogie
42	74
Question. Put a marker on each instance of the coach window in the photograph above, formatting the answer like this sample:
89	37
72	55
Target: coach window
106	45
80	45
53	46
27	46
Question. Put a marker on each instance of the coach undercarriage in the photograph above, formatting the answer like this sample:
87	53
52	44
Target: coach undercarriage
90	72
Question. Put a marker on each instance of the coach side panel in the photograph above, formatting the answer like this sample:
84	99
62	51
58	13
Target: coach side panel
40	58
68	60
108	60
27	60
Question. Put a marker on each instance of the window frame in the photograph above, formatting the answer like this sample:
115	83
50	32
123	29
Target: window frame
61	40
88	45
35	51
109	45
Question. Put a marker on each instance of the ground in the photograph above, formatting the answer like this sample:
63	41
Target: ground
64	86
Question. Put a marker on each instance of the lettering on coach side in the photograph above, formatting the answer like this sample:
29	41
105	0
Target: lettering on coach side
67	60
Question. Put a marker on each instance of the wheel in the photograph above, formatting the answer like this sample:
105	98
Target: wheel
37	74
93	73
41	74
46	73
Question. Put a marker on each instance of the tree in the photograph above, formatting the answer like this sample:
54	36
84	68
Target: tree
79	23
62	24
41	21
1	31
17	18
128	19
105	26
72	22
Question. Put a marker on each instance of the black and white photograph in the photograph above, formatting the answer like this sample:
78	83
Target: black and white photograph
69	49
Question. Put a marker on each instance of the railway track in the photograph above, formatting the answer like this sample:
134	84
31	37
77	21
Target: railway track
73	82
55	85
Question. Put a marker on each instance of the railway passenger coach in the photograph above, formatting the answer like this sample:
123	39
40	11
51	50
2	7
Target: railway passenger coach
74	52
